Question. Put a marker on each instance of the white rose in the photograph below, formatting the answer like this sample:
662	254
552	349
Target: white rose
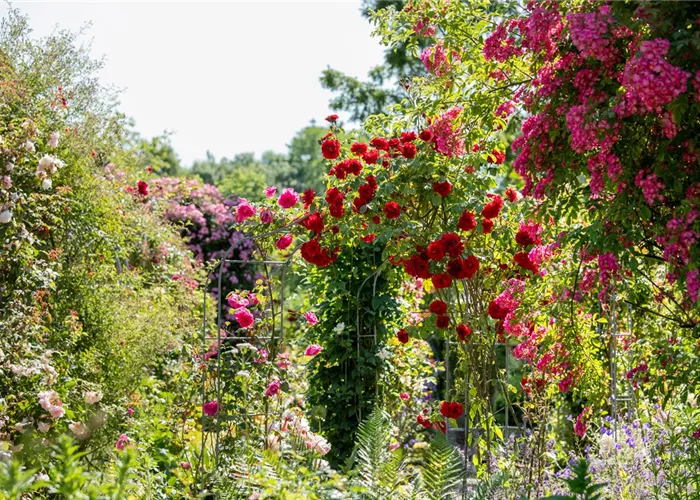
5	216
46	184
53	140
29	146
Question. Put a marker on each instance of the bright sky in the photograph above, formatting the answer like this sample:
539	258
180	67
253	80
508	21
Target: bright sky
225	77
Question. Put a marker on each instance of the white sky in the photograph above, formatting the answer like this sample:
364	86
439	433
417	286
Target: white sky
226	77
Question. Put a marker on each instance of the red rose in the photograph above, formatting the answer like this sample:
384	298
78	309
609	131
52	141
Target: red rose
353	166
426	136
335	229
512	195
442	322
392	210
523	260
453	244
380	143
330	149
424	421
486	226
463	331
524	238
331	118
376	219
369	238
466	221
408	137
442	280
308	198
142	188
442	188
492	208
402	336
409	150
358	148
472	266
437	250
438	307
496	311
497	157
394	142
451	410
371	156
417	267
314	223
440	425
372	181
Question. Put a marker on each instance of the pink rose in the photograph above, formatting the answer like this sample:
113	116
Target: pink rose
273	388
405	396
235	301
311	318
122	442
244	210
210	408
312	350
288	198
284	241
244	317
270	191
266	216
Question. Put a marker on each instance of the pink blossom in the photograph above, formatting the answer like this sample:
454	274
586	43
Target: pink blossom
312	350
244	210
435	61
580	426
284	241
266	216
270	191
122	442
448	137
288	198
693	282
186	465
311	318
405	396
235	301
283	361
651	186
261	357
589	34
244	317
210	408
273	388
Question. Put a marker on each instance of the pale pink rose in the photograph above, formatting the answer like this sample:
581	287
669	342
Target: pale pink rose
270	191
261	356
92	397
284	241
244	210
266	216
79	429
312	350
53	139
311	318
122	442
273	388
57	412
235	301
244	317
43	426
283	361
288	198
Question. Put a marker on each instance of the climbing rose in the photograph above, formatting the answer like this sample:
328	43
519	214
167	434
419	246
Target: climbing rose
442	188
409	150
451	409
402	336
466	221
463	331
244	318
330	148
426	136
487	226
311	318
308	197
511	194
270	191
448	139
288	198
442	322
143	188
492	208
371	156
266	216
392	210
437	250
235	301
92	397
244	210
53	139
284	241
442	280
273	388
438	307
379	143
122	442
331	118
210	408
358	148
312	350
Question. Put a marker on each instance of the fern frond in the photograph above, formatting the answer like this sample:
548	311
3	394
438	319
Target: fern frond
442	471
